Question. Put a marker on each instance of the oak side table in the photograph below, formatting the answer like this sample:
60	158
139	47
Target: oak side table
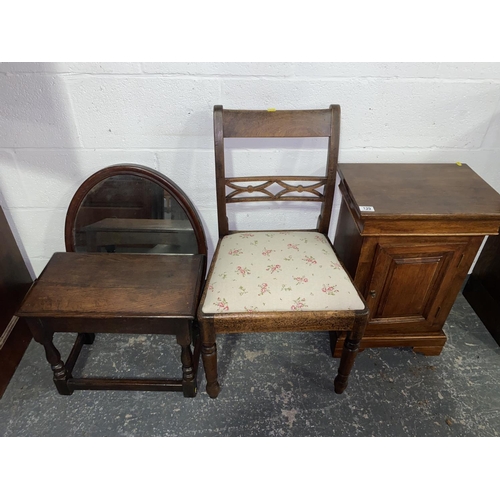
93	293
408	234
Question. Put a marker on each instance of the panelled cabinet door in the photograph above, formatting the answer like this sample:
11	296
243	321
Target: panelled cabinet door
410	283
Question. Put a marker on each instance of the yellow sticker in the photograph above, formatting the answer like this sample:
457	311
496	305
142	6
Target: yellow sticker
459	164
271	110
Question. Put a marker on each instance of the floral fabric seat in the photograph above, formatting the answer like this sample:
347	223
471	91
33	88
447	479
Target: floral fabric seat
278	271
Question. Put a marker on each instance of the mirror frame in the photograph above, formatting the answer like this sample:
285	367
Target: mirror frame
139	171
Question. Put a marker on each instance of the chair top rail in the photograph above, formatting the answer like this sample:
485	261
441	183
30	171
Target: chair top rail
289	123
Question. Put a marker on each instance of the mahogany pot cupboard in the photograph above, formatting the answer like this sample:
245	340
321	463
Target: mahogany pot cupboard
408	235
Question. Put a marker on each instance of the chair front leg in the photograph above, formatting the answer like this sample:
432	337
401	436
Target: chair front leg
209	356
350	351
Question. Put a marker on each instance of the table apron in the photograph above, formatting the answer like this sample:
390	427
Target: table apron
156	326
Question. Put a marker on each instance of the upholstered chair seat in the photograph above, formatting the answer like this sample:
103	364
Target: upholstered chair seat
278	271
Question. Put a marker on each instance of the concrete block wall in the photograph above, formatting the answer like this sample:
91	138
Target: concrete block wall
61	122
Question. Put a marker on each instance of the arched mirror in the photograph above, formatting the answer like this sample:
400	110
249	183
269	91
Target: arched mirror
130	208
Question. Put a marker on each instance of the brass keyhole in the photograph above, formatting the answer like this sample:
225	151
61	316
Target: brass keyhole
373	293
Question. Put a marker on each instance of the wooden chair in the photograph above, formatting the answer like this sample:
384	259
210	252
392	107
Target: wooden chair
270	281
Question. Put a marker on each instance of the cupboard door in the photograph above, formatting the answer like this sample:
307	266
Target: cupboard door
409	284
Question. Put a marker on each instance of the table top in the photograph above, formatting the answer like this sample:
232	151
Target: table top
101	285
413	190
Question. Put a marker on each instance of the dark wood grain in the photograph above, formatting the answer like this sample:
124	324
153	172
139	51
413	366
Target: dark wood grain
15	280
412	254
348	247
410	190
110	285
294	123
115	293
124	384
220	171
304	188
287	185
147	291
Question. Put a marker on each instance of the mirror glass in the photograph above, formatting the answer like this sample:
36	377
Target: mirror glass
126	213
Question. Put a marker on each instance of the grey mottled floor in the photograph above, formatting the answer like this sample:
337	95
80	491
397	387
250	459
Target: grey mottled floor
273	385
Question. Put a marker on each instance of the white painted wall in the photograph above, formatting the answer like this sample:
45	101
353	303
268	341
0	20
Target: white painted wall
61	122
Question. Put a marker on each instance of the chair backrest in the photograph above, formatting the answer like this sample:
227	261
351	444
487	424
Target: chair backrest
277	124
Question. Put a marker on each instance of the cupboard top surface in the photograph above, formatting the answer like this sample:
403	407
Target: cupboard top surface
412	190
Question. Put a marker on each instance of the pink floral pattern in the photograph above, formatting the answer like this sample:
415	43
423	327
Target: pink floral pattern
264	271
273	268
329	289
300	280
221	305
310	260
242	270
298	304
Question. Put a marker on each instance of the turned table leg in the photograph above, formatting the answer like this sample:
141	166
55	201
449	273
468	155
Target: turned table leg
209	356
188	372
45	338
349	352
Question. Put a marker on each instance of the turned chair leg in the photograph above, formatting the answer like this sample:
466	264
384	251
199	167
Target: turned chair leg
45	338
209	356
349	352
188	372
